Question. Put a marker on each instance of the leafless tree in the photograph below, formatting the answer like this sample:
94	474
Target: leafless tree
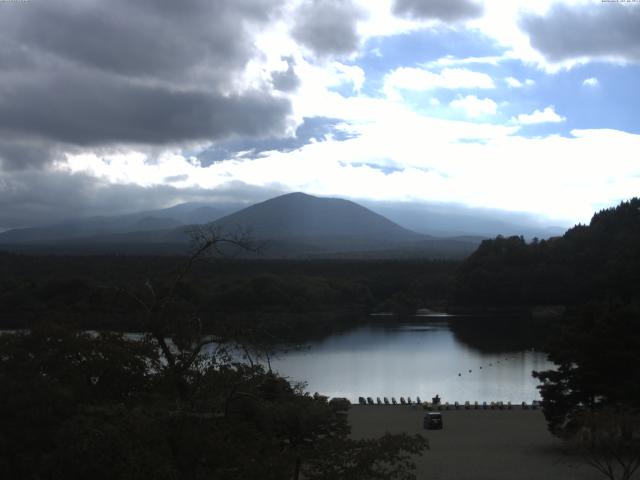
182	340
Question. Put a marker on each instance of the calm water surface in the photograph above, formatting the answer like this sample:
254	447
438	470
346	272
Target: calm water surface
416	359
412	360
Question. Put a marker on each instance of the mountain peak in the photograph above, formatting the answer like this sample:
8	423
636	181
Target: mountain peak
294	196
298	214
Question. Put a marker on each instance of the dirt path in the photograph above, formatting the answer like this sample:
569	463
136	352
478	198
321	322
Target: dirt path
477	444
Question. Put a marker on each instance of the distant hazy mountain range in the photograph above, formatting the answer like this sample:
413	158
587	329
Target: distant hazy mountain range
447	220
184	214
290	225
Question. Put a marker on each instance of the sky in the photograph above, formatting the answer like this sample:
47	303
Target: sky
515	106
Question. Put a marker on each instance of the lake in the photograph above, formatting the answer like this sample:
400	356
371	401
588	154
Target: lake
421	358
412	359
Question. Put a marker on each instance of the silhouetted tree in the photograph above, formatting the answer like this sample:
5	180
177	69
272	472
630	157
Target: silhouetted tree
610	442
592	398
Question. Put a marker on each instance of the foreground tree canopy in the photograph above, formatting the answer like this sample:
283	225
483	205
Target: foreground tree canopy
77	405
592	398
597	353
171	404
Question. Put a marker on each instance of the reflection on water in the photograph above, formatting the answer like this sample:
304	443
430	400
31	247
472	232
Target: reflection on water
414	359
417	359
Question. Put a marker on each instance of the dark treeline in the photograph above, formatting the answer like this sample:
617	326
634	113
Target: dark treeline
590	263
599	261
500	334
94	292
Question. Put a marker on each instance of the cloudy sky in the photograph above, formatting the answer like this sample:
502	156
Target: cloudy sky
109	107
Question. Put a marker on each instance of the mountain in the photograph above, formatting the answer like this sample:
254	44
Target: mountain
298	224
297	215
291	225
193	212
301	224
104	226
451	220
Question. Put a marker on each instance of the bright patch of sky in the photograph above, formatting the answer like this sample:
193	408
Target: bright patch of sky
413	49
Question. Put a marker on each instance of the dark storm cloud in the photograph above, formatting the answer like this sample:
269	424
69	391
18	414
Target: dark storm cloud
87	109
286	81
597	30
37	197
16	152
153	72
142	38
445	10
328	27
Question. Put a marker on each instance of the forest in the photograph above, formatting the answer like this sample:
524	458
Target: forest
595	262
90	292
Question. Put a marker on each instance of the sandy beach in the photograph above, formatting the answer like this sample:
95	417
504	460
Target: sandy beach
477	444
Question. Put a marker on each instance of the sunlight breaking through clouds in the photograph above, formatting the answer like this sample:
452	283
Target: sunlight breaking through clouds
543	102
503	168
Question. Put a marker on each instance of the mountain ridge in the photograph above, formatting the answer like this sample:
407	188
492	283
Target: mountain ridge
167	218
293	224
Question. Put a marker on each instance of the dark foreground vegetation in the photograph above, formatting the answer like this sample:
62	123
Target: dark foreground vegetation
79	405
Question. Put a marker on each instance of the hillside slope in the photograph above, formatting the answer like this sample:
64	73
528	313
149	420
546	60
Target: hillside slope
588	263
